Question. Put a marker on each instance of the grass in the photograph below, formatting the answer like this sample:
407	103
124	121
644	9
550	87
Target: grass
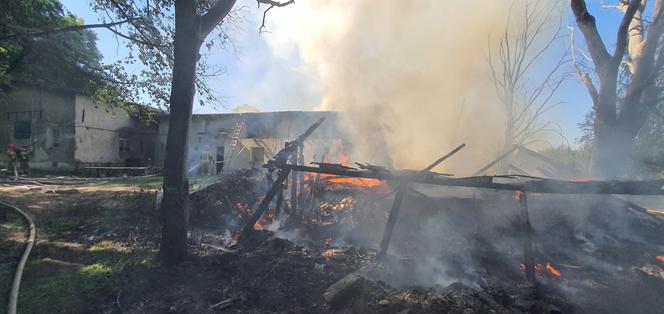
82	277
143	182
98	281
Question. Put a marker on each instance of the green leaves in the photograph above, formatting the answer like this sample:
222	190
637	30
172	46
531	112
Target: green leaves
68	60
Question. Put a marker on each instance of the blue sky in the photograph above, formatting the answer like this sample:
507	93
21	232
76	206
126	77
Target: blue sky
251	70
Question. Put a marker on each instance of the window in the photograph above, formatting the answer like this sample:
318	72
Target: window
55	137
23	115
22	129
83	116
124	145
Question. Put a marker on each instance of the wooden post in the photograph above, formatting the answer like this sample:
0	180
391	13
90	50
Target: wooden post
266	202
527	234
280	201
398	199
293	184
392	219
300	177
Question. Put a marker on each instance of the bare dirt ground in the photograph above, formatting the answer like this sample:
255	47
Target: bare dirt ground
89	235
97	253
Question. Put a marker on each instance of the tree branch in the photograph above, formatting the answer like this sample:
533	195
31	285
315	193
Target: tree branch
586	23
215	15
272	5
583	76
48	32
621	42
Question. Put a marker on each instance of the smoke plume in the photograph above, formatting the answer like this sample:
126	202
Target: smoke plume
417	69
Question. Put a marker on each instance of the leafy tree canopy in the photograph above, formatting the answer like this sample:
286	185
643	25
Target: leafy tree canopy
67	60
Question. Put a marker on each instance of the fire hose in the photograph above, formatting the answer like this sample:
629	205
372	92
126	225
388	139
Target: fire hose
13	293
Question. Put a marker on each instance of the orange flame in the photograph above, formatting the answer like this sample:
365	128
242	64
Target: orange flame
581	179
540	268
370	183
660	258
332	253
554	271
344	159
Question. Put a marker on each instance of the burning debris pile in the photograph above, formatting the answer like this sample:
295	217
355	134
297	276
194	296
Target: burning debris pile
371	239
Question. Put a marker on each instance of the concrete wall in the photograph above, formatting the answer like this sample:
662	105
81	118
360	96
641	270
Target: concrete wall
67	130
98	133
49	114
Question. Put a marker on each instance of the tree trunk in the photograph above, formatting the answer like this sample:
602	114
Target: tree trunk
604	162
174	207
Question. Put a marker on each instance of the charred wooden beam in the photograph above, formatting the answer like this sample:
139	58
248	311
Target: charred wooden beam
392	219
535	185
280	159
280	202
404	186
495	161
527	234
300	177
266	201
282	156
445	157
293	183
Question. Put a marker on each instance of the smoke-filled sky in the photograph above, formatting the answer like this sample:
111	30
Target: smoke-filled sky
416	65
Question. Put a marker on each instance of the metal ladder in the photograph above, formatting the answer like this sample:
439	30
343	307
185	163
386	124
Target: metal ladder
236	138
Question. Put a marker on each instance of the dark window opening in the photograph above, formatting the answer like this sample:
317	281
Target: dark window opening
83	116
22	129
124	145
56	138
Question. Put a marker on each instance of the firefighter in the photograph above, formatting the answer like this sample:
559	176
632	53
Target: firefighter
12	156
24	158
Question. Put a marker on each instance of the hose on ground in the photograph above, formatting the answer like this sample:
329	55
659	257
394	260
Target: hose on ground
16	283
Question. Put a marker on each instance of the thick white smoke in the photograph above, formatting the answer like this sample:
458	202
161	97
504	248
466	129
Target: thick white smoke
418	68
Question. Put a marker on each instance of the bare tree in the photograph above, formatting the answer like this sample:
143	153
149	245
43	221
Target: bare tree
523	46
628	81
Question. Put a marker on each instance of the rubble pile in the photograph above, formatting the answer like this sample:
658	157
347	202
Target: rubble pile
226	204
272	274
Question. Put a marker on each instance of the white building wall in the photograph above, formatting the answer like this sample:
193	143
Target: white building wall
97	137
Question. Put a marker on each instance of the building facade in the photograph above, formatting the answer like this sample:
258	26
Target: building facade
259	135
68	131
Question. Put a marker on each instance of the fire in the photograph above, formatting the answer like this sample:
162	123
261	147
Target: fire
344	159
540	269
369	183
243	210
660	258
581	179
554	271
332	253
